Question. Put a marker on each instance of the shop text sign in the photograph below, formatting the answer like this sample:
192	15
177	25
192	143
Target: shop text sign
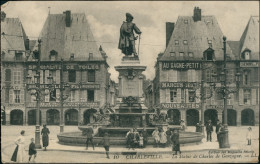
165	85
181	65
218	107
66	67
180	105
72	86
249	64
65	104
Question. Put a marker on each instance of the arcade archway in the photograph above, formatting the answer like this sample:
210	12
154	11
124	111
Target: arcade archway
16	117
89	116
71	117
192	117
248	117
231	117
211	114
53	117
174	115
32	117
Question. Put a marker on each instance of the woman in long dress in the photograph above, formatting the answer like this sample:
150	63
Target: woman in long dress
19	153
45	137
156	137
163	138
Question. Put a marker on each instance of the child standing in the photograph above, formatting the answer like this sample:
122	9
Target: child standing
249	135
32	150
141	140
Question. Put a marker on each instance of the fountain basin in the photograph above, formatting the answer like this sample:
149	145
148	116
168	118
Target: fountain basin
77	139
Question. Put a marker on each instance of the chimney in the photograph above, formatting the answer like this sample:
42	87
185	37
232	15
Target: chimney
169	30
3	16
27	44
68	18
196	14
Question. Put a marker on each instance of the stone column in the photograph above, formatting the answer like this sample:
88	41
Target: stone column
220	115
25	117
238	118
200	115
183	115
7	118
44	119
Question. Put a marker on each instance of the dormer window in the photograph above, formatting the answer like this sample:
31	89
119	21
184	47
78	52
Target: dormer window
246	54
209	54
90	56
181	54
18	56
72	56
176	42
172	54
185	42
53	55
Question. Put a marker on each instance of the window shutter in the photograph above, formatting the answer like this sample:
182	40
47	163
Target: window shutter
198	96
189	75
22	96
253	96
241	97
57	76
174	76
65	76
11	96
179	95
167	95
77	95
187	95
41	77
77	76
47	73
84	75
57	95
47	96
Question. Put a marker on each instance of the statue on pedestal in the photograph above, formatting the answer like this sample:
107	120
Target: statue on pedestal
127	37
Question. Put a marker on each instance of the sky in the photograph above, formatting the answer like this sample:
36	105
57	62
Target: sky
105	19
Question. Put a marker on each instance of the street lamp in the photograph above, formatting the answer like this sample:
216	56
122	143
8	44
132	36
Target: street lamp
225	91
37	94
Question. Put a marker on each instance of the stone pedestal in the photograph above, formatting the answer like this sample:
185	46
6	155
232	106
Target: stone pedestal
130	110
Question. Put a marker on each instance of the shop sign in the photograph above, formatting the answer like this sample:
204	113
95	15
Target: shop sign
12	87
179	85
45	67
81	67
218	106
180	105
72	86
181	65
85	86
249	64
81	104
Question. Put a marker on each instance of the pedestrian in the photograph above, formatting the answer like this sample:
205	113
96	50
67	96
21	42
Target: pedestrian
209	129
45	137
249	136
145	136
141	140
220	136
175	142
32	150
197	127
90	138
19	152
156	137
136	138
163	138
168	134
128	145
130	138
218	129
106	143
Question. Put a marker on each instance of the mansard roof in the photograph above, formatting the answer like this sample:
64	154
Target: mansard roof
250	38
76	39
194	37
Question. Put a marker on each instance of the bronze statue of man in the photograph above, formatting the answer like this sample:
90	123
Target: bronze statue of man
127	37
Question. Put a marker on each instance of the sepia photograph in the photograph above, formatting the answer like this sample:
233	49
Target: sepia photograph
130	81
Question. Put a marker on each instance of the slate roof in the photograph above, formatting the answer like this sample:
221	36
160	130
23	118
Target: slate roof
250	38
234	45
76	39
197	35
12	37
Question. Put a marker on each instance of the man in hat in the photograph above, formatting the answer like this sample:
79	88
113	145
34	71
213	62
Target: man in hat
127	37
218	129
209	129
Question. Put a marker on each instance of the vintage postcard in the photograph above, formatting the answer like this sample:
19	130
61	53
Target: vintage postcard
130	82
